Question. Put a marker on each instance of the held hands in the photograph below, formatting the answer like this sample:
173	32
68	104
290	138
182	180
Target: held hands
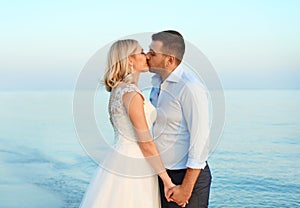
178	194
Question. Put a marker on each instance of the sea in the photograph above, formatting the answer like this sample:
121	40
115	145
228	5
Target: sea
255	164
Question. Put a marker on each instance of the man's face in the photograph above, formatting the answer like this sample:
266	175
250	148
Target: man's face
155	57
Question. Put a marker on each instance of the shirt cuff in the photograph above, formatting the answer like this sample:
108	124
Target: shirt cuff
194	164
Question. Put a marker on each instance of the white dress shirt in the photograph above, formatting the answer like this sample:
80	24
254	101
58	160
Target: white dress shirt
181	130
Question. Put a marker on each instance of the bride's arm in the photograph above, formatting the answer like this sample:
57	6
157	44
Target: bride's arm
134	104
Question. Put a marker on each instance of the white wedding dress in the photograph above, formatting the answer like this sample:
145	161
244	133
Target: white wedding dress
126	180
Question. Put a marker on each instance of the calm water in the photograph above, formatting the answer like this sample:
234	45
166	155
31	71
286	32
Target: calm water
255	165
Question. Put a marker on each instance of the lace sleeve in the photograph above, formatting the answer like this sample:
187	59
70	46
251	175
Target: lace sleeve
129	88
116	103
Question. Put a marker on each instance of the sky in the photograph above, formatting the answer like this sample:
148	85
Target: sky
252	44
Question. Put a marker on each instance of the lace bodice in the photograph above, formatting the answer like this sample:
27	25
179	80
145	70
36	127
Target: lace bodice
118	115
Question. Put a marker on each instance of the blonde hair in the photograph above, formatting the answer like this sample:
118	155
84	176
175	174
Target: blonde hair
117	69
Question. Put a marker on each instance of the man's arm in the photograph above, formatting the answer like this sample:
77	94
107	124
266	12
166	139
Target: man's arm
190	179
195	111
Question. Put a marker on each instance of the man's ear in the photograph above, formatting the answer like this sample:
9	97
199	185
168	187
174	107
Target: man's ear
171	61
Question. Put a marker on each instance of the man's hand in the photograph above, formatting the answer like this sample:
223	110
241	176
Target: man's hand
179	194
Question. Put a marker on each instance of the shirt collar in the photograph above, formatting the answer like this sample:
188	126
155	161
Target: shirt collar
156	80
175	76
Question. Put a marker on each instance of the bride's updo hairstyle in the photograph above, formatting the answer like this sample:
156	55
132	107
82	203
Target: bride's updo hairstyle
118	69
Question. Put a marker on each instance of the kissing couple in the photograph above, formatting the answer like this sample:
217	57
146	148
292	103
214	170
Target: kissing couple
177	116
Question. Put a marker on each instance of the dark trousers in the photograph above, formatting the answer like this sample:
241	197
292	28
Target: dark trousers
200	194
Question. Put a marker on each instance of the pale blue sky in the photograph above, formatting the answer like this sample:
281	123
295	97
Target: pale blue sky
252	44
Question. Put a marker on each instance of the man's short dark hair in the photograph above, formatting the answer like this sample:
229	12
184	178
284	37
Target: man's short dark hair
173	43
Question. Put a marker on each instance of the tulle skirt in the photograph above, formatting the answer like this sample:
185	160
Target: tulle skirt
111	190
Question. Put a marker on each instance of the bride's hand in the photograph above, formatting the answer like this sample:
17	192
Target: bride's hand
167	188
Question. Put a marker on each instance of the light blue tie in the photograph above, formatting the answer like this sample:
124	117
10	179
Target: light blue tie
154	95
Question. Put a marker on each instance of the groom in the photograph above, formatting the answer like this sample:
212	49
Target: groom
182	126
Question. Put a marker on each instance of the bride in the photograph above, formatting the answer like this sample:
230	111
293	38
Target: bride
131	116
